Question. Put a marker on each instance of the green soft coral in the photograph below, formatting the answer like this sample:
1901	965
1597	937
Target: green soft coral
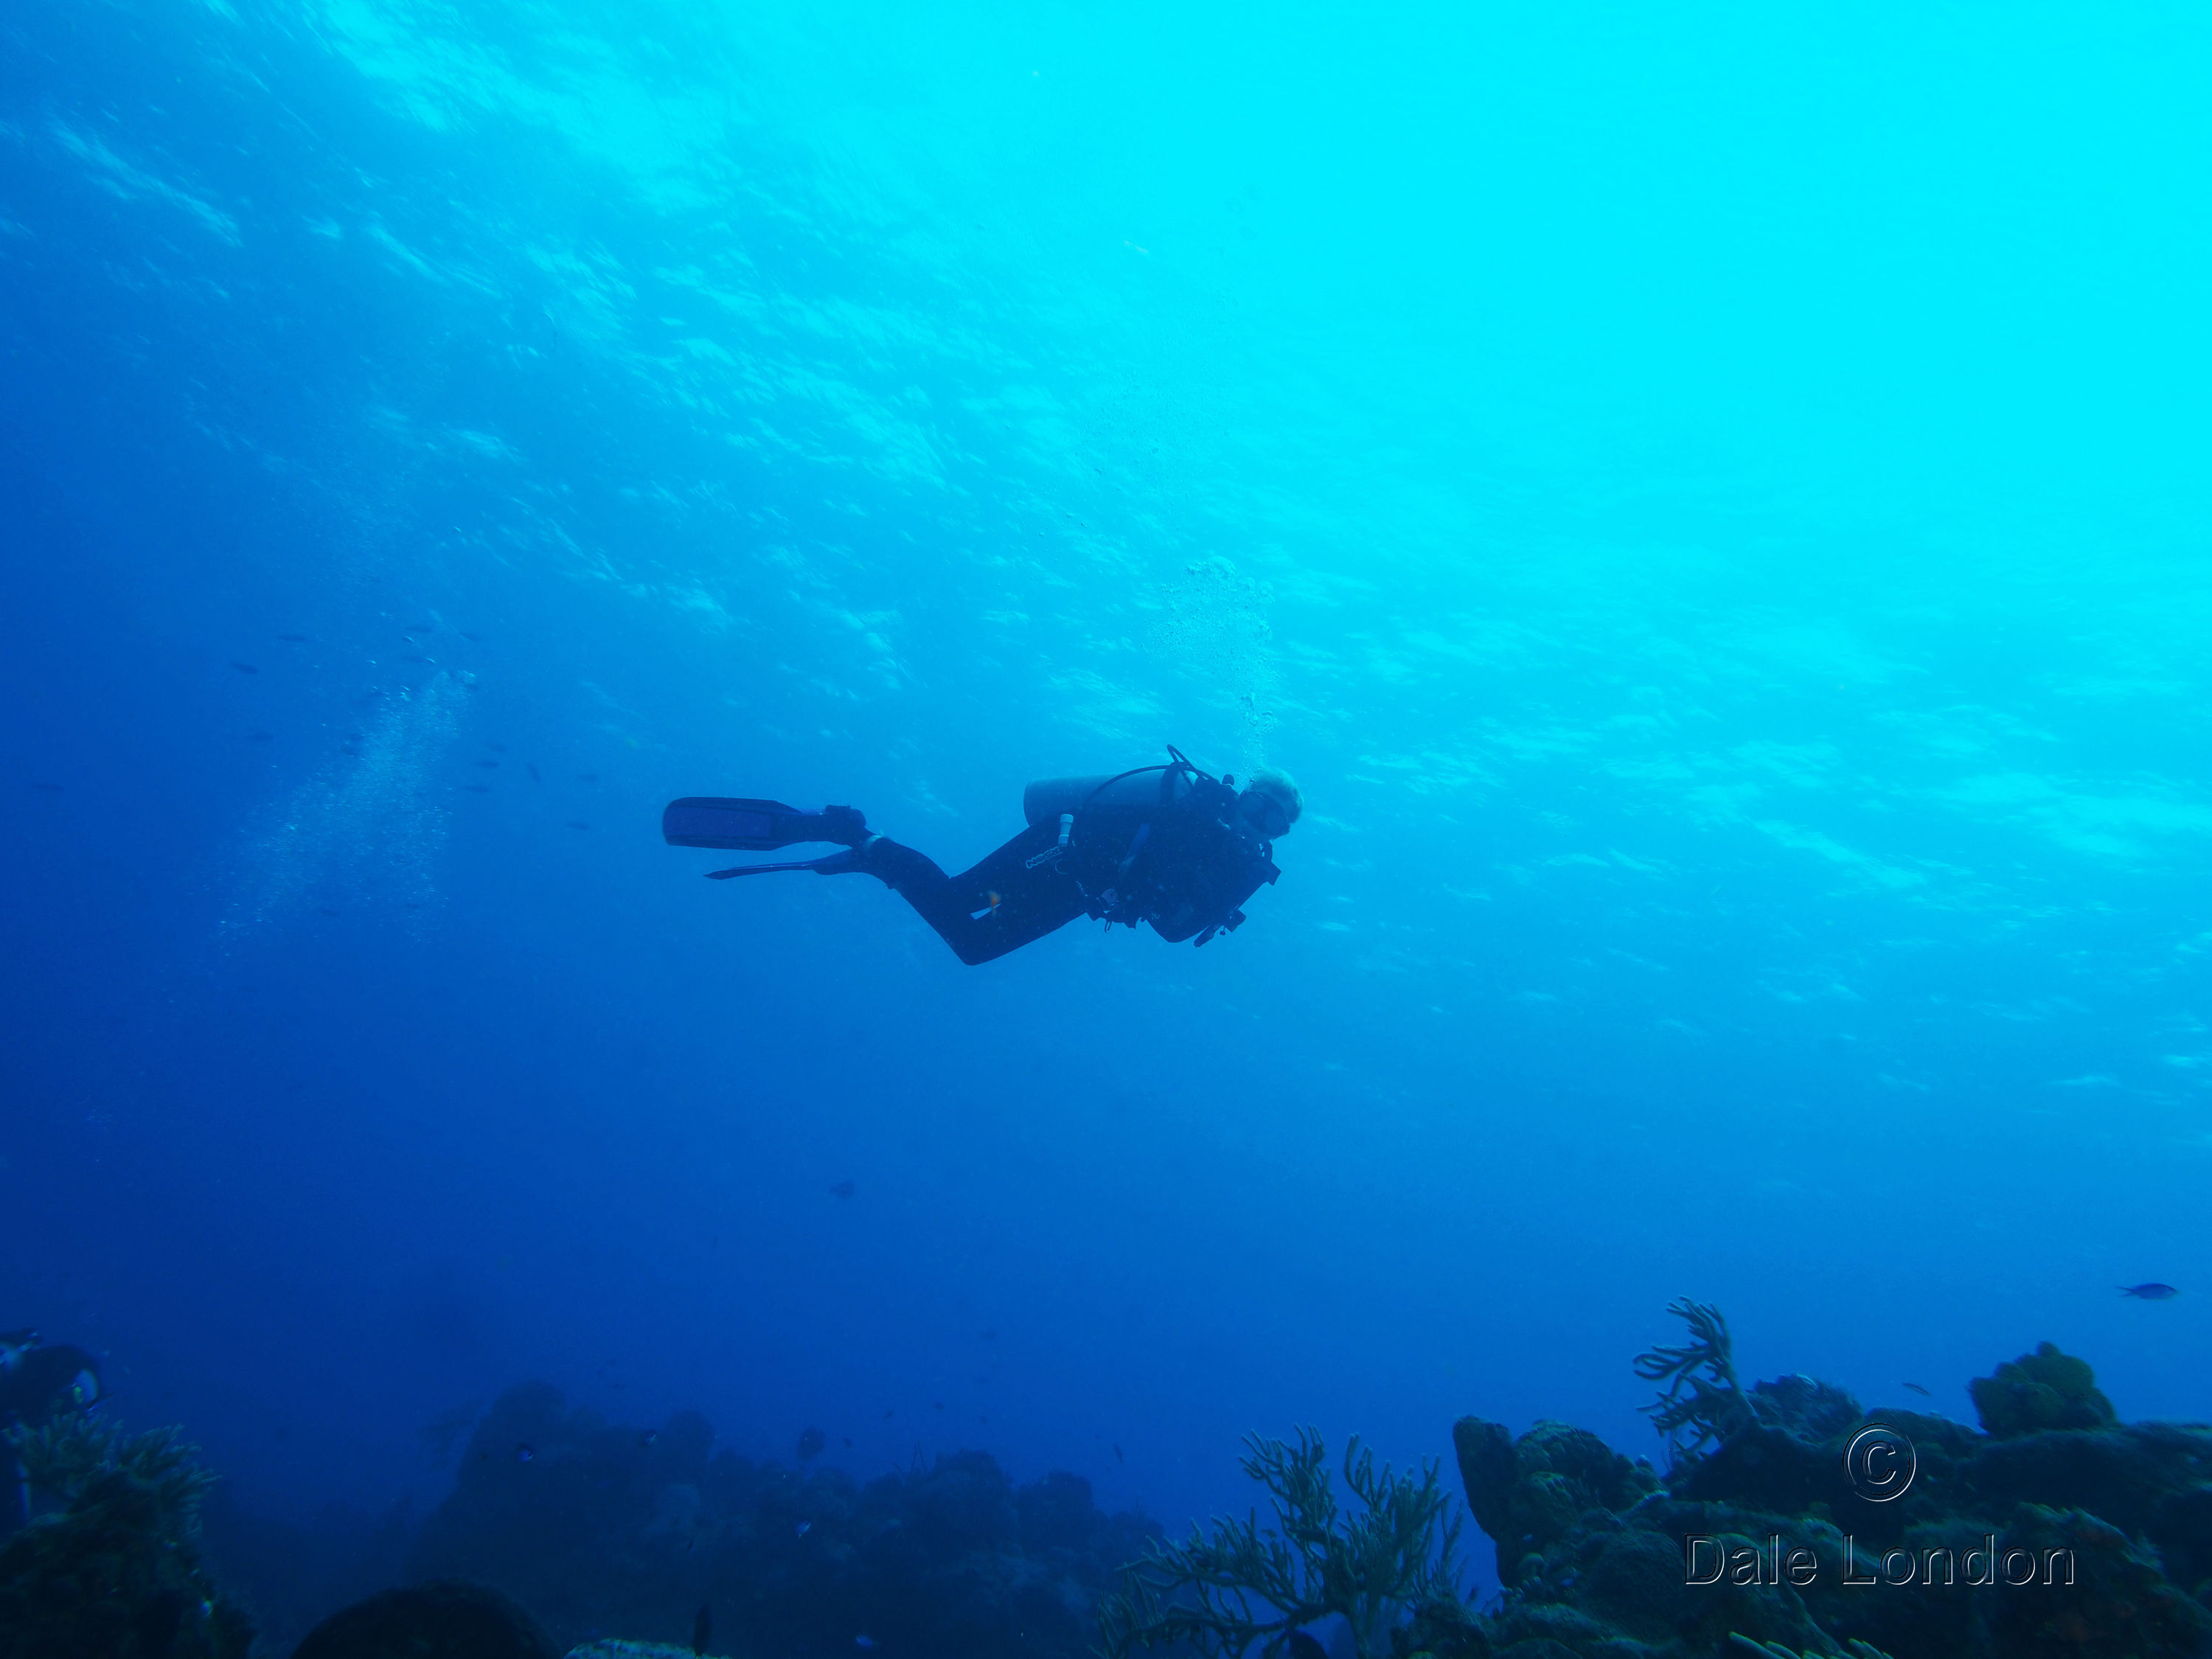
1386	1566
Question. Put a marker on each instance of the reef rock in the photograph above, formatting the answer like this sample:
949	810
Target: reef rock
2046	1389
2057	1533
598	1527
447	1618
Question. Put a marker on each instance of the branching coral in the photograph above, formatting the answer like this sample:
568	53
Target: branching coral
1249	1589
113	1571
1702	1398
62	1459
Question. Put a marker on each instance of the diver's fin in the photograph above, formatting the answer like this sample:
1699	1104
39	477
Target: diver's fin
749	826
765	869
754	826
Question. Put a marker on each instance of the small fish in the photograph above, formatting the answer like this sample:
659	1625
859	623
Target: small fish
532	770
411	657
293	639
863	1642
496	748
246	668
324	910
646	1436
990	1336
1918	1389
842	1189
523	1452
575	824
2151	1293
487	764
587	777
846	1441
805	1527
49	788
465	634
811	1443
936	1404
477	788
261	737
1118	1458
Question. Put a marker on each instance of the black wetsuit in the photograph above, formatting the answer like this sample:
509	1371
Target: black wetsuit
1164	845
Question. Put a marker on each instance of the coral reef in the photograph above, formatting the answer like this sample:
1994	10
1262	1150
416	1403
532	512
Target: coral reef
1387	1564
603	1531
2057	1533
2054	1531
109	1565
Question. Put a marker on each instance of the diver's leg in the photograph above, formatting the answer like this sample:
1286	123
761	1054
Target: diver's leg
999	906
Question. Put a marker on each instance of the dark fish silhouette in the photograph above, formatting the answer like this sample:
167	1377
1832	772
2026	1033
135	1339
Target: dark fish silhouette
587	777
261	737
246	668
465	634
2151	1293
496	748
1118	1458
842	1188
1918	1389
525	1452
847	1440
487	762
702	1628
49	788
810	1444
576	824
293	639
534	778
411	657
477	788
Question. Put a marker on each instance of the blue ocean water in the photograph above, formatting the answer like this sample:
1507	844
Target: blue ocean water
1709	503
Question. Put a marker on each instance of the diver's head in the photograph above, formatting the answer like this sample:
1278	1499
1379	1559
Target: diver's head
1270	804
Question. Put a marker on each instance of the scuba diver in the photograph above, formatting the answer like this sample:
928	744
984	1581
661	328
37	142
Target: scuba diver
1167	845
41	1383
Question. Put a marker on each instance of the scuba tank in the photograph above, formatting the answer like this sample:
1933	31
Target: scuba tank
1122	823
